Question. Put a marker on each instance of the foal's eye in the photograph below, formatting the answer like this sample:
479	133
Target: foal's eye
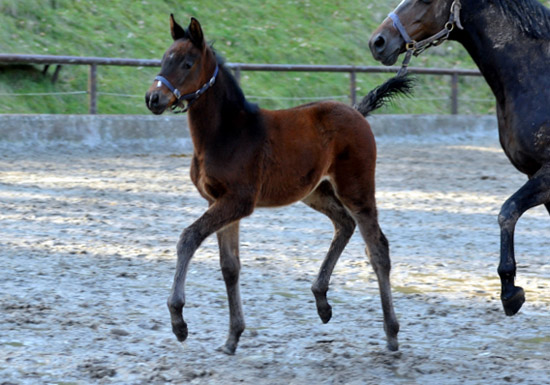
187	64
426	1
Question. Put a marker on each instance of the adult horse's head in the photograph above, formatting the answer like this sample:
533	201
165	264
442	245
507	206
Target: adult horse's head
188	69
413	26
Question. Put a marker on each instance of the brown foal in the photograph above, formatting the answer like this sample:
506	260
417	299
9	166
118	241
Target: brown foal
323	154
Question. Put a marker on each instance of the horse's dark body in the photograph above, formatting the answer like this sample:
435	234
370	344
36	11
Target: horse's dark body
509	40
323	154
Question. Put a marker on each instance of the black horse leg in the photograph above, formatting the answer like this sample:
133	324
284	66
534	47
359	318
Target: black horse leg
535	192
325	201
547	205
228	241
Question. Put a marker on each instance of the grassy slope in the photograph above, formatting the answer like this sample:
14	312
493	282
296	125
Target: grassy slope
254	31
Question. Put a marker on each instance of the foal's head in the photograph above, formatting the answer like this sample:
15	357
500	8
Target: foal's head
417	19
186	68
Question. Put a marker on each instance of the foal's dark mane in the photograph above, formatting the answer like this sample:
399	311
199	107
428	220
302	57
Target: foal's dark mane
530	16
235	92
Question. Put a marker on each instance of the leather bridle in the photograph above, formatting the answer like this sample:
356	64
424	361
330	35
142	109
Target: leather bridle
417	47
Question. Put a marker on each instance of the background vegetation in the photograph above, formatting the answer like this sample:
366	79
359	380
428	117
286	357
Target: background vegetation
251	31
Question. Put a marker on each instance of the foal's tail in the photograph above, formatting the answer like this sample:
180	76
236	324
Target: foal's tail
398	85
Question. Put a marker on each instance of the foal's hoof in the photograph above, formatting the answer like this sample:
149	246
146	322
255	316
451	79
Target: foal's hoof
180	330
512	300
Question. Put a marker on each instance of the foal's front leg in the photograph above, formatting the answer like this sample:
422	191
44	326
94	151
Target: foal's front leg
228	240
222	213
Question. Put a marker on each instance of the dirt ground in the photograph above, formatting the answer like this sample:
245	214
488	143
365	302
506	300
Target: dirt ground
87	254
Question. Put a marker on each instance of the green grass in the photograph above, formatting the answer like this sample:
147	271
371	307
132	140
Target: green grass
251	31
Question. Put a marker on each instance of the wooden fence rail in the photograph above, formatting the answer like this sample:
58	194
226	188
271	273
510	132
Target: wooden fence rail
94	62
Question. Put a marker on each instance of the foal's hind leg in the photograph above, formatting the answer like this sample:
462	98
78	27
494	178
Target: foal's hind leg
356	192
228	240
378	251
535	192
325	201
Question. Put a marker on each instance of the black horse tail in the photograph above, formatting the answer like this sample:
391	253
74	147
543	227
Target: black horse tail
398	85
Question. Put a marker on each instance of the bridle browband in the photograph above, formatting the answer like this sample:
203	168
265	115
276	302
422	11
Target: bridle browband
191	97
417	47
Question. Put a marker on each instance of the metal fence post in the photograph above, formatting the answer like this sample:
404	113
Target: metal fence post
352	88
92	89
237	73
454	93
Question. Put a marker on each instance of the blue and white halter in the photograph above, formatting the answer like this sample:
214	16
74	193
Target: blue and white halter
190	98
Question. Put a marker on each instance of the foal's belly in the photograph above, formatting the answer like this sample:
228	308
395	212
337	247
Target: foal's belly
282	193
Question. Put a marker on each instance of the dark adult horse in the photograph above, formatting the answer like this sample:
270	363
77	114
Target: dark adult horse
510	42
323	154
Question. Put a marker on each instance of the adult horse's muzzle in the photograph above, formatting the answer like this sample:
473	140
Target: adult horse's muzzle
386	44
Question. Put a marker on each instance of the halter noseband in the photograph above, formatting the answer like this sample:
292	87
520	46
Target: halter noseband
416	48
192	97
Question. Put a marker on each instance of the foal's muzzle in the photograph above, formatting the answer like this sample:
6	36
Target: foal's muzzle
157	101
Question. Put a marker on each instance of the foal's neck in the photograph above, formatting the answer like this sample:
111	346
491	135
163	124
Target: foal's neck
220	113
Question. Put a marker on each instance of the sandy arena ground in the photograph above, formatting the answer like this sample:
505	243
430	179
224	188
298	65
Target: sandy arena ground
87	250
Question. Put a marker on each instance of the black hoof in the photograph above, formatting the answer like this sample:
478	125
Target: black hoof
228	349
513	300
180	330
325	314
392	346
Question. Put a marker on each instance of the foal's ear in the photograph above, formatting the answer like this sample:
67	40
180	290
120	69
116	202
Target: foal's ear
195	33
175	29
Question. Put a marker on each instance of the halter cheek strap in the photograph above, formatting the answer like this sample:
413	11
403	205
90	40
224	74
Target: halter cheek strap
192	97
397	24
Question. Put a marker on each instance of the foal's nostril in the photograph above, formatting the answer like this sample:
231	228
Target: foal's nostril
380	43
152	100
